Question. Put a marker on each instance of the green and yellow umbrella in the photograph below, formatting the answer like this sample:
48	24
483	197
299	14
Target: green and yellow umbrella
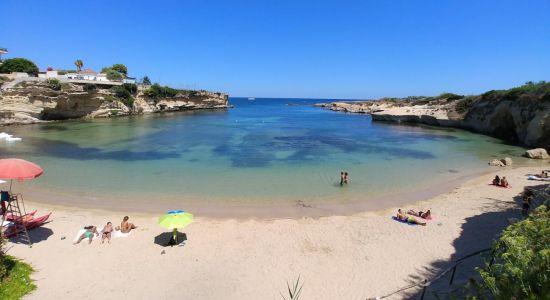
175	220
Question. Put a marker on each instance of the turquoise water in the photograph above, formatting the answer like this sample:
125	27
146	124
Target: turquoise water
262	151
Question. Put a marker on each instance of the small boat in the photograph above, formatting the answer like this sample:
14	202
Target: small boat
251	98
28	216
9	228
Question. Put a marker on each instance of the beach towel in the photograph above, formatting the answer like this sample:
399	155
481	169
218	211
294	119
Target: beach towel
114	234
534	177
402	221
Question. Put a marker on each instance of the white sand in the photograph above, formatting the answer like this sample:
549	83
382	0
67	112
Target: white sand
338	257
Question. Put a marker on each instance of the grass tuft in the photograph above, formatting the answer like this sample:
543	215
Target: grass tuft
18	282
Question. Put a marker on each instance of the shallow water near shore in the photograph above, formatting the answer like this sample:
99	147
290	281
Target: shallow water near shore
261	152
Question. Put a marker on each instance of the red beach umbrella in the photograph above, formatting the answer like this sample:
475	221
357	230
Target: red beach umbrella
19	169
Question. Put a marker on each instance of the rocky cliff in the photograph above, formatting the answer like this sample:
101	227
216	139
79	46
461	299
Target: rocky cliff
36	101
519	115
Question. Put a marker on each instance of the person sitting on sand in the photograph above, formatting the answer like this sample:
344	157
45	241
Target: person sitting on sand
89	233
107	230
423	215
401	216
504	182
126	226
496	181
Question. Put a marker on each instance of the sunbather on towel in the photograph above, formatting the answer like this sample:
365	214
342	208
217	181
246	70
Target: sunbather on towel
423	215
89	233
106	232
126	226
401	216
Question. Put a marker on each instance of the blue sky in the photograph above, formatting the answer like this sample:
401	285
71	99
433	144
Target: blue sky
323	49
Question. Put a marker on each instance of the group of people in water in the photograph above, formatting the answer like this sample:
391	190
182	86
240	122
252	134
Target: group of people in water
343	178
410	216
502	182
106	233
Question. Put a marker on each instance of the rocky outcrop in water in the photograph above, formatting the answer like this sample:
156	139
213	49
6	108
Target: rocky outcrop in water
36	101
519	115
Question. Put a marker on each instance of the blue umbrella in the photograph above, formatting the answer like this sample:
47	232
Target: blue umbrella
173	212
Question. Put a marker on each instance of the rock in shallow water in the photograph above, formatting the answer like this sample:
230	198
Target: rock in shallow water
496	163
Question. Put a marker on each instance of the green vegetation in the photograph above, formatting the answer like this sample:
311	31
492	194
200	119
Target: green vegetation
18	65
463	105
295	291
146	80
123	93
521	269
54	84
15	281
541	88
158	91
113	75
450	96
120	68
63	72
79	64
115	72
90	87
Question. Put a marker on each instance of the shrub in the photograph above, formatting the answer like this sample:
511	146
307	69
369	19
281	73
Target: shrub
54	84
90	87
130	87
113	75
450	96
521	269
146	80
17	282
464	104
18	65
120	68
122	94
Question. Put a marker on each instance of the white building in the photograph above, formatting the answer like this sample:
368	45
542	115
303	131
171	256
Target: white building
49	74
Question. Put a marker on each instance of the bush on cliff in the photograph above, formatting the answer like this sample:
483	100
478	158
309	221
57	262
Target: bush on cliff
90	87
157	91
122	94
18	65
54	84
521	268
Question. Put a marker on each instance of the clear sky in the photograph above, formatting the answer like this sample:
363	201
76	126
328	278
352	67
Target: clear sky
324	49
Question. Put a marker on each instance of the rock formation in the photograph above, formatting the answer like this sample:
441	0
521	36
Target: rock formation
538	153
35	101
519	115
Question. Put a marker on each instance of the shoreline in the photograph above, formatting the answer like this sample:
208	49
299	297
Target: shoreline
222	257
246	210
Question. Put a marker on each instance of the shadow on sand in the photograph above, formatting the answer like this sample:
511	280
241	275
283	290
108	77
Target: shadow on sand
36	235
478	232
165	239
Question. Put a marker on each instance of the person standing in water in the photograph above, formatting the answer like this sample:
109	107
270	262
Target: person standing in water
346	177
341	178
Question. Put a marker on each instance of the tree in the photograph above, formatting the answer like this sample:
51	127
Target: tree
79	64
18	65
521	269
146	80
113	75
120	68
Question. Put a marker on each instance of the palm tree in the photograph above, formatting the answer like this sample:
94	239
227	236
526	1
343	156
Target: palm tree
79	64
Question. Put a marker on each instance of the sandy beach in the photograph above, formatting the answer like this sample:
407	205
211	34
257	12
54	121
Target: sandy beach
337	257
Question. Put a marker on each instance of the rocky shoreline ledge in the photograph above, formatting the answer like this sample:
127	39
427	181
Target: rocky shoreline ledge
520	115
35	101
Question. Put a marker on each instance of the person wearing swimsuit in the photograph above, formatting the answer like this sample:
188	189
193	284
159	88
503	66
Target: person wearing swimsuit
89	234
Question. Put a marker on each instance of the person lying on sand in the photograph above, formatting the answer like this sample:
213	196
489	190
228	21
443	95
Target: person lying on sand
126	226
107	230
89	233
403	217
423	215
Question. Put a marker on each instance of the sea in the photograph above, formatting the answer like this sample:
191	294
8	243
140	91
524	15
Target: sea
263	153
